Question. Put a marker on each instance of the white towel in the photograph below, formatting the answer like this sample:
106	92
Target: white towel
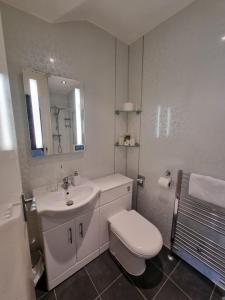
208	189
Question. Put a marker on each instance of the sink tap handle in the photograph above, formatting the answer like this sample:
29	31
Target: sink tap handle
66	180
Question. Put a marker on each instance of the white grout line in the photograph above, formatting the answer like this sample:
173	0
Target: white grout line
180	289
213	290
92	282
174	269
161	270
42	296
177	265
111	284
160	288
140	292
137	288
55	294
168	278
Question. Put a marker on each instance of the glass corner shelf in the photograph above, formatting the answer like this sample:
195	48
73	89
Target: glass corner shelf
129	146
118	111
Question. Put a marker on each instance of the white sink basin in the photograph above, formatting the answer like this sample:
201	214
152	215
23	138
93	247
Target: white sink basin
62	201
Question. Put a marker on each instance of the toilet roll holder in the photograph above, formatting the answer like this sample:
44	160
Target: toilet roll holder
165	181
167	173
140	180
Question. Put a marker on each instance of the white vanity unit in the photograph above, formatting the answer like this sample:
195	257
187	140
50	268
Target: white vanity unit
73	235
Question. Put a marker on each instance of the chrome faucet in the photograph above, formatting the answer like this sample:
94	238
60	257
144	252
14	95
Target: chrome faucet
66	183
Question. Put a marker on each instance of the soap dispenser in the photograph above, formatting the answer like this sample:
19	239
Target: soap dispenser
75	178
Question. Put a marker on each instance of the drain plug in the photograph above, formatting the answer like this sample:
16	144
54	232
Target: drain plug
69	202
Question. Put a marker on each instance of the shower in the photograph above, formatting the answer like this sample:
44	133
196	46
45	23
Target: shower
56	112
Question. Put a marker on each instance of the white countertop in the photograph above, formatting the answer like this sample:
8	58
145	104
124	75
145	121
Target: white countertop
111	181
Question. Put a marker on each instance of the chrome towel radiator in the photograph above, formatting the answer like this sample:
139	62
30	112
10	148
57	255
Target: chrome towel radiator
198	233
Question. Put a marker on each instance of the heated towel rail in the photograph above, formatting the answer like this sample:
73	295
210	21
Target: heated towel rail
198	232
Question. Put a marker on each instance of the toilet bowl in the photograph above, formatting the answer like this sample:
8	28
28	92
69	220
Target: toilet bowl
133	239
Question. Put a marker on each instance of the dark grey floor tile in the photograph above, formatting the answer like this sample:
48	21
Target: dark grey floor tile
41	287
218	294
171	292
192	282
78	286
150	282
103	271
162	261
39	293
48	296
121	289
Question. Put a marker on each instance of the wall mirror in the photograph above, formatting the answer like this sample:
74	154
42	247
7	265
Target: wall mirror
55	113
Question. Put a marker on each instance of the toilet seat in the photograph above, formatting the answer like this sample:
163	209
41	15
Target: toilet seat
139	235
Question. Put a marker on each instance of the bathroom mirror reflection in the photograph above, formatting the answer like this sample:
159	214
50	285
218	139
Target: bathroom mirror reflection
55	113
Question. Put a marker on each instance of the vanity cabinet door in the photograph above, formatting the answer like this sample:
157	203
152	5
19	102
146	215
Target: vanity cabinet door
60	249
87	234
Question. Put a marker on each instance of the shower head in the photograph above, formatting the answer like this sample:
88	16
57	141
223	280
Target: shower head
56	110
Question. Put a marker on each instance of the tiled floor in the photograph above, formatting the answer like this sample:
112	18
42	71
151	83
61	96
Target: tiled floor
163	279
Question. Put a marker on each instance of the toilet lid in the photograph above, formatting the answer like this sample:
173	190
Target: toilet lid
138	234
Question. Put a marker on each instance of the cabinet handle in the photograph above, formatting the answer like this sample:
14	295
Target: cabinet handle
128	188
81	230
70	236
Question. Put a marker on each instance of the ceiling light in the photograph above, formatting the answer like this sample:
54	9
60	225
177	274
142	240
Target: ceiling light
51	59
223	38
63	82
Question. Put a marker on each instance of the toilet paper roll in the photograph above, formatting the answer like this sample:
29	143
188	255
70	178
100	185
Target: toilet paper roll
165	182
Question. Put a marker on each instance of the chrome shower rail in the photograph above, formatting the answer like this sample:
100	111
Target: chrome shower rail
198	232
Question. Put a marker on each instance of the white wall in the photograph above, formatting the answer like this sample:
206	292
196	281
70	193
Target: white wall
184	69
10	184
81	51
121	91
14	253
134	120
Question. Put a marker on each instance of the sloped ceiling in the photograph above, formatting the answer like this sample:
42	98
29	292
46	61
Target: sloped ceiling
125	19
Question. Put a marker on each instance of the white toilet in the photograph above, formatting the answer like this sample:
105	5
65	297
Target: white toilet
133	239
